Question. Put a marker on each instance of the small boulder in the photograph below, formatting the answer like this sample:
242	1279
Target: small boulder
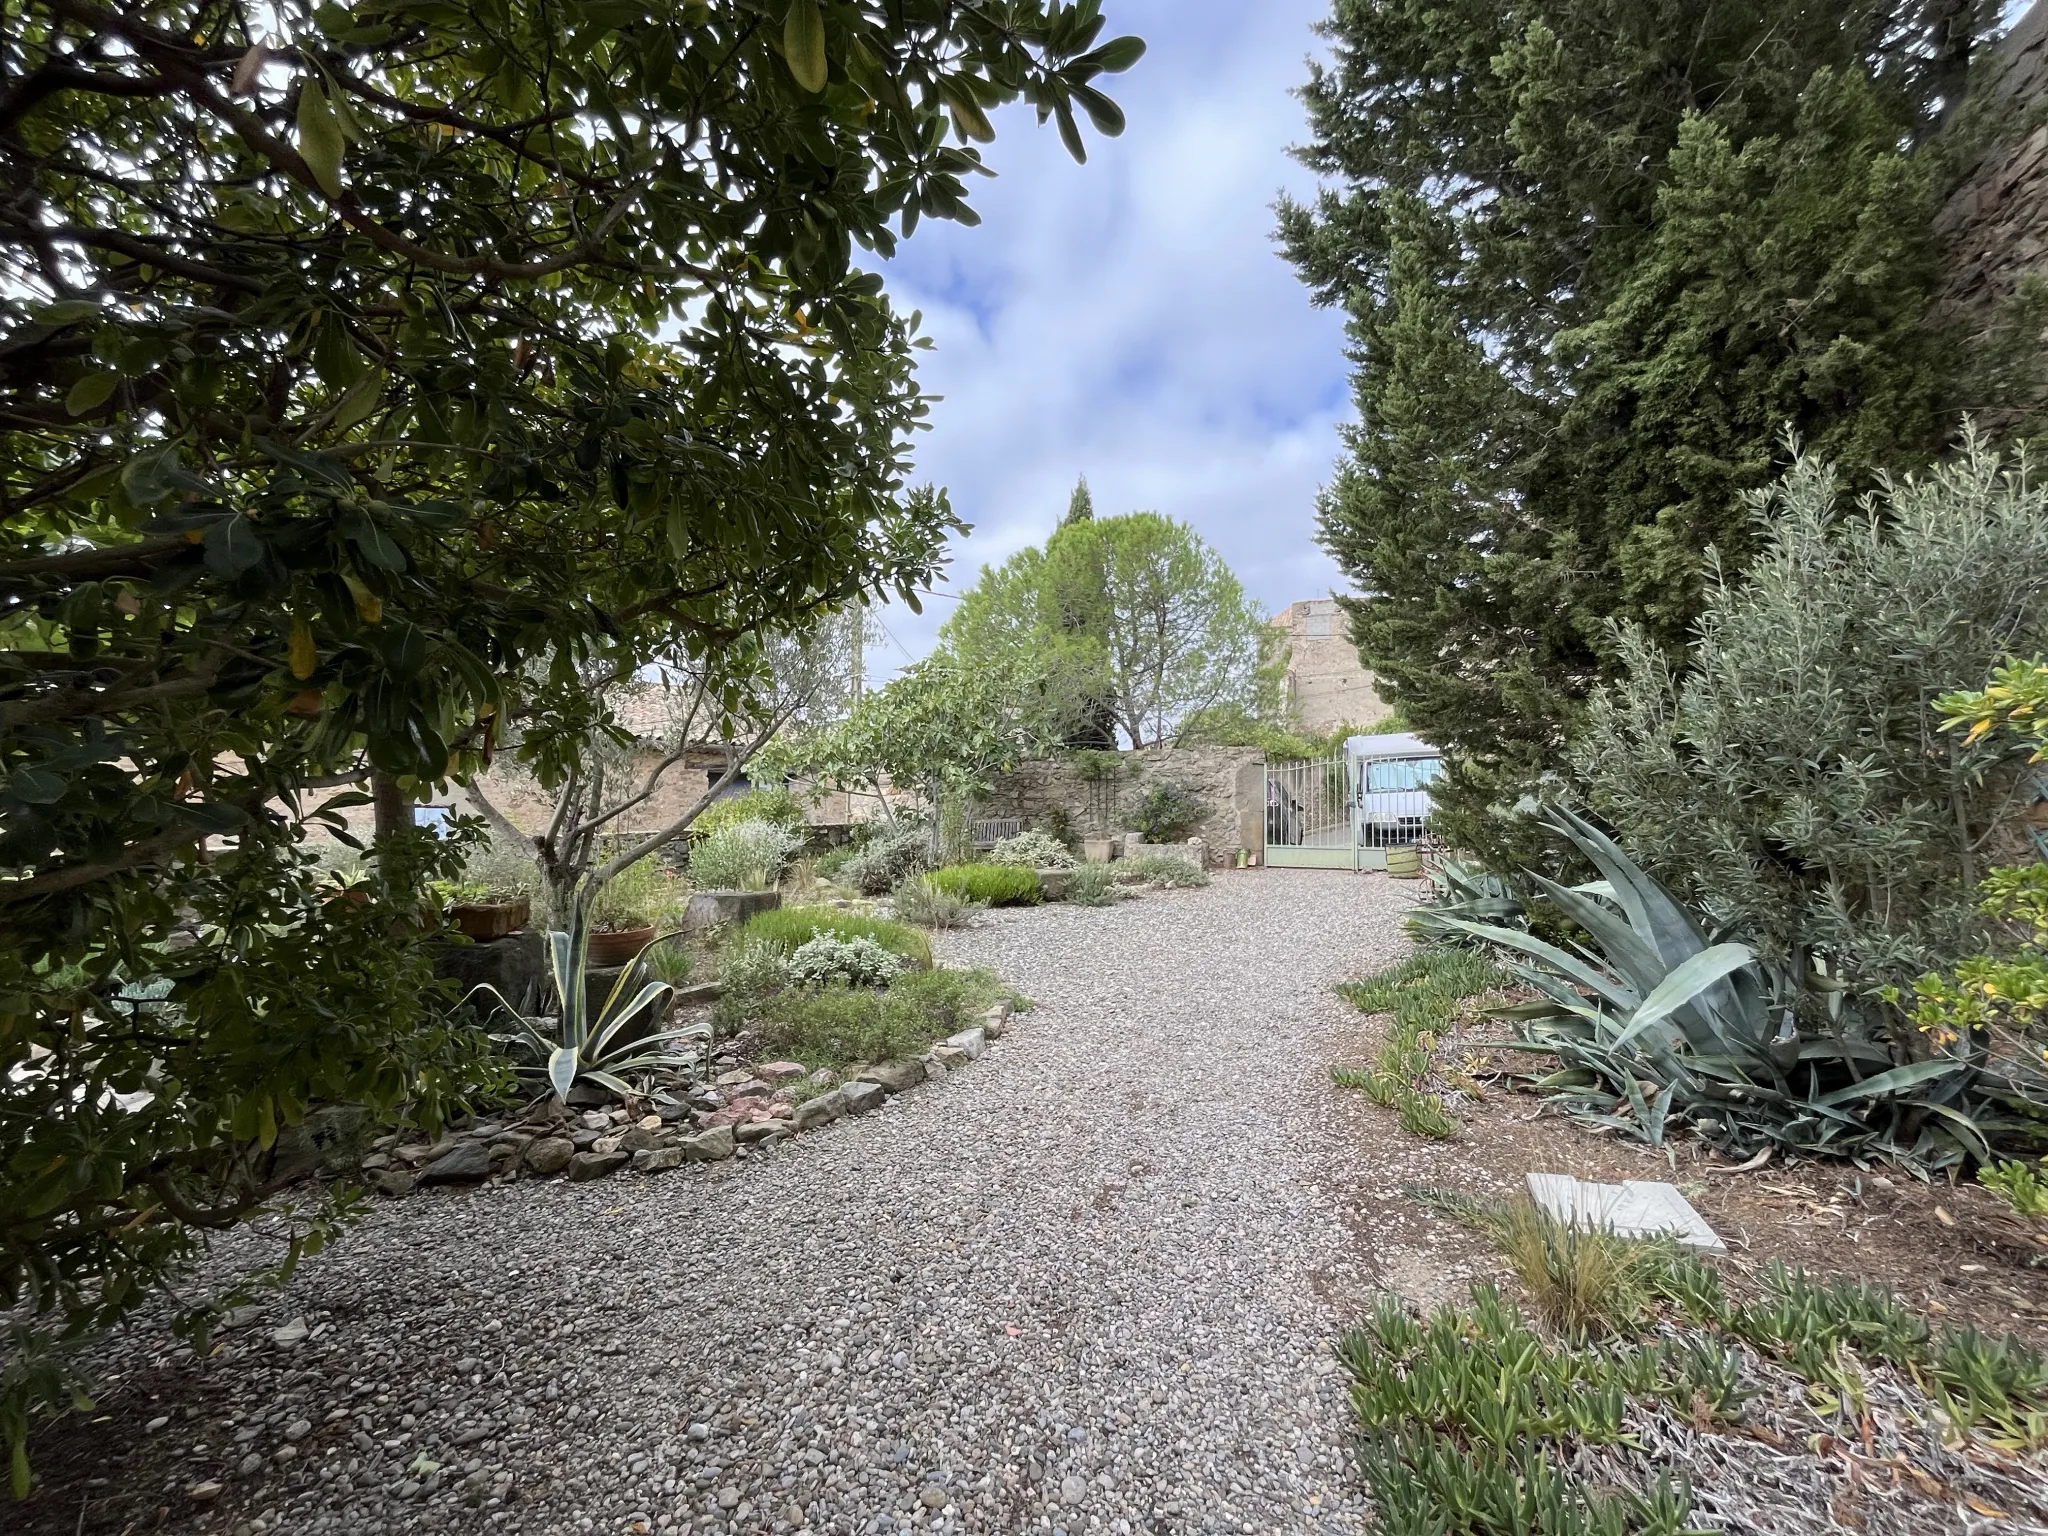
822	1110
469	1162
550	1155
972	1041
934	1068
710	1146
949	1057
393	1183
758	1130
861	1097
996	1022
583	1139
780	1071
895	1076
606	1145
657	1159
640	1139
585	1166
733	1078
752	1088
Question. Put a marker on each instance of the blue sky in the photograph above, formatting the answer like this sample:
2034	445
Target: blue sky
1131	320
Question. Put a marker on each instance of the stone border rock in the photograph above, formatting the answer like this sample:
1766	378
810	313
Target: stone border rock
741	1111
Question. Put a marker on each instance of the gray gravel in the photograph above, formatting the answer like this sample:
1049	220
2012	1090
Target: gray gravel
1088	1283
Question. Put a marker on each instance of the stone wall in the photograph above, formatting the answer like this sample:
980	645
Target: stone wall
1327	685
1229	780
1995	224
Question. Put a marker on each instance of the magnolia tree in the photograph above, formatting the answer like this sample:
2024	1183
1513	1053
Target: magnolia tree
725	707
336	439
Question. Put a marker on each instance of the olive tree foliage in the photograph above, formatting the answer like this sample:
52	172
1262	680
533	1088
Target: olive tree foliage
938	730
1595	257
370	375
1794	777
1133	615
717	710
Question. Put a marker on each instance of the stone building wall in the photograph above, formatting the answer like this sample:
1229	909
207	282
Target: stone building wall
1229	780
1995	224
1326	684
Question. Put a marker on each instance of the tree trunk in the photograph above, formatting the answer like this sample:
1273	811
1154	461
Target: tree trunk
391	808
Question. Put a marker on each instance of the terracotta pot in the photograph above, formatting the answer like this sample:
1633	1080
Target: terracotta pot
619	945
491	919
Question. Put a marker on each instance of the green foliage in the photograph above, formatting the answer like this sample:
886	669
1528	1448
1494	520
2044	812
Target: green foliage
1584	1282
1232	726
993	885
1653	1027
787	927
779	806
497	871
939	727
886	862
1594	262
360	448
667	960
646	894
1034	850
923	901
1161	871
750	971
1167	811
2019	1186
859	961
1468	893
1465	1415
1094	885
742	856
838	1027
1133	618
1423	993
1793	780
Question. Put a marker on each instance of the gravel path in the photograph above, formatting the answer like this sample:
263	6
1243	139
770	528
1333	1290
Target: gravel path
1087	1284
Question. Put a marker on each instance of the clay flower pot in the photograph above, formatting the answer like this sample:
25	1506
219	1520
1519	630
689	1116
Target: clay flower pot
491	919
619	945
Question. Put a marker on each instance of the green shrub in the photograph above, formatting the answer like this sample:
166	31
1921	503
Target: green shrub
888	860
496	870
742	856
1034	850
1168	811
922	901
1161	871
840	1026
646	894
2018	1186
994	885
1794	781
751	971
779	806
1094	885
786	928
824	958
833	861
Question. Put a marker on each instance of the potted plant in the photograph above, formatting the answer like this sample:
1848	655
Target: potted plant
624	910
495	895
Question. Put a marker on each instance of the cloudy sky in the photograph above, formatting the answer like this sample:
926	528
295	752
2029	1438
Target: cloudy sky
1129	319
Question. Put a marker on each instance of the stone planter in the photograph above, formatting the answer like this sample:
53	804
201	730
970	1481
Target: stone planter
708	909
1100	850
486	920
517	965
1054	882
619	945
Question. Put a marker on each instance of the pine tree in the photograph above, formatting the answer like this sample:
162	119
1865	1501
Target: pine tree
1080	505
1596	262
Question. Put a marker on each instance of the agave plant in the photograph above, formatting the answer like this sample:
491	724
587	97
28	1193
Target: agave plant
1654	1024
585	1042
1469	894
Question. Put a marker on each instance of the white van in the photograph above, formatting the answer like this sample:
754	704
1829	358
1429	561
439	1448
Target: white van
1390	778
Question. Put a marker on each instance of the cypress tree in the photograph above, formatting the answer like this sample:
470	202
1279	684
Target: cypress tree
1598	258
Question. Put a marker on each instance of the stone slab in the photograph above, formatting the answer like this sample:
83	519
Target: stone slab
1634	1208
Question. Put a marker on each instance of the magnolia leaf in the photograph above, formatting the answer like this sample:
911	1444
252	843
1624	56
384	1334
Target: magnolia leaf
1070	132
1116	55
803	44
67	312
91	392
304	655
361	400
1105	114
232	546
321	143
968	119
369	606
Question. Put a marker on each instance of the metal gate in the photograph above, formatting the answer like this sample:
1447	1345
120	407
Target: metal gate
1345	812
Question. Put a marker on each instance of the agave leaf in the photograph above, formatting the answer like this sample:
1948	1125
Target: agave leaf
610	1080
565	962
1684	983
1651	910
562	1069
1826	1048
1911	1074
614	1019
1622	947
1513	938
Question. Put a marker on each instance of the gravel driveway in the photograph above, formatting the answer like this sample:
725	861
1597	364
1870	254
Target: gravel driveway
1088	1283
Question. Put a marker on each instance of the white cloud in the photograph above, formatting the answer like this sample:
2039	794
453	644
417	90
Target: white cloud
1131	320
